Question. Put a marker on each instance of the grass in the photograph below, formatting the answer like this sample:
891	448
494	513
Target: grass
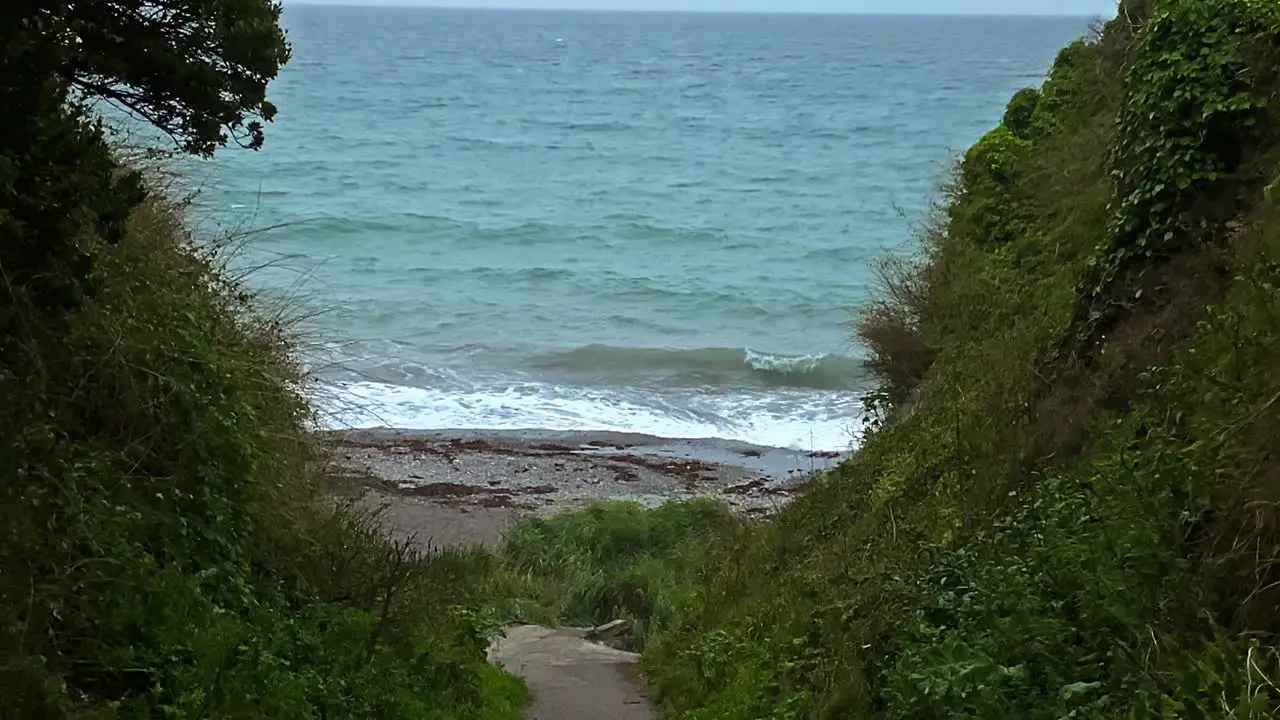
606	561
170	546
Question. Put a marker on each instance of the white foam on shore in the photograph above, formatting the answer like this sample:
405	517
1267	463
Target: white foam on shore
815	421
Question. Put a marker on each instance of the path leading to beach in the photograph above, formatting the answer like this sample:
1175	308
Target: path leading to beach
572	678
464	487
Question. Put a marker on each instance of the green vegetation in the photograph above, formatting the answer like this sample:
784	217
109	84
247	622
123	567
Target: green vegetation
1070	504
171	547
608	561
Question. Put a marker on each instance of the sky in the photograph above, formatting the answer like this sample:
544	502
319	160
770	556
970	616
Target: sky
976	7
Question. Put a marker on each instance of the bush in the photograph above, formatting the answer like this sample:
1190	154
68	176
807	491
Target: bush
166	550
897	354
168	547
988	208
1020	111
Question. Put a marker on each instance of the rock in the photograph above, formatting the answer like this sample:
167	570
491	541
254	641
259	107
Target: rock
616	634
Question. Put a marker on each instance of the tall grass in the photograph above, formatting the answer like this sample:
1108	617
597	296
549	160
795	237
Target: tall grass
607	561
169	546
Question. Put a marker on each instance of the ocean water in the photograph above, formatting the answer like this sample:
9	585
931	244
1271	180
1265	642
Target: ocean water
644	222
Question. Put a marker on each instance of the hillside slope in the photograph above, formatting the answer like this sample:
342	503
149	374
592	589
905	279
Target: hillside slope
170	544
1069	507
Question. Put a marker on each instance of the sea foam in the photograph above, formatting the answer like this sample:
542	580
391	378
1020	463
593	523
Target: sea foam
804	422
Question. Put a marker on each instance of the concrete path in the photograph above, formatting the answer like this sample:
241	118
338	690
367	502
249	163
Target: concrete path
570	677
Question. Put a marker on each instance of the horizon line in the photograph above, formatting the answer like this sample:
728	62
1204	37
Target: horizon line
410	5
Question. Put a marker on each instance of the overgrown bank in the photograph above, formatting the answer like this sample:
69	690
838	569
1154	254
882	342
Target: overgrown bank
1071	504
167	549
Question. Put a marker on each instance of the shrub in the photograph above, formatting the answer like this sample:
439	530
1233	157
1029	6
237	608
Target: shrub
166	548
888	327
1018	114
988	209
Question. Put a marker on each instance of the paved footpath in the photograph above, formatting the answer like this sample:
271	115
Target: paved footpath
570	677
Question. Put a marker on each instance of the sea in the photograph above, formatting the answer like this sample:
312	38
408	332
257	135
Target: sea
641	222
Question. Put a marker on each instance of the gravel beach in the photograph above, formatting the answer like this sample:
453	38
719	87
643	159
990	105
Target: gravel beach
450	487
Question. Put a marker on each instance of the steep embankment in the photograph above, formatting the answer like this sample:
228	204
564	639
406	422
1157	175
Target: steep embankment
169	541
1072	505
169	545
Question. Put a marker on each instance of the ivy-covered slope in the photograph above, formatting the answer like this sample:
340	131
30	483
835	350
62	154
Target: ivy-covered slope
1071	504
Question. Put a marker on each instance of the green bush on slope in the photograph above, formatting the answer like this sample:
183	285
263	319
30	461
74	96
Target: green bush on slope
168	549
1070	508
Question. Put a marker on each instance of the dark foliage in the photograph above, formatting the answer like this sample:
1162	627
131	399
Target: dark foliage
196	69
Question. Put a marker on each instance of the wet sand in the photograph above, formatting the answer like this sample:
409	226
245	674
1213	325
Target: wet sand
450	487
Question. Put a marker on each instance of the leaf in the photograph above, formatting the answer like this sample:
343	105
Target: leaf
1076	689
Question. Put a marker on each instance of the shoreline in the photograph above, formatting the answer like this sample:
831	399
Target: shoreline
460	487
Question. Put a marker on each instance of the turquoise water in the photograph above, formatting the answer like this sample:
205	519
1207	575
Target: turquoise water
644	222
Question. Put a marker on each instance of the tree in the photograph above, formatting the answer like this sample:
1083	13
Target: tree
196	69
